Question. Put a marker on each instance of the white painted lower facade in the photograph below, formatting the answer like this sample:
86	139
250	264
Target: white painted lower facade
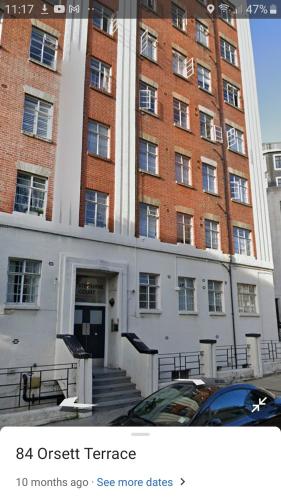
62	251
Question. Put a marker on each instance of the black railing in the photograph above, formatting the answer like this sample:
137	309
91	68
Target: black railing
27	387
230	357
178	365
270	350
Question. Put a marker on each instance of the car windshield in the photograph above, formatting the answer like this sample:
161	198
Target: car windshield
173	405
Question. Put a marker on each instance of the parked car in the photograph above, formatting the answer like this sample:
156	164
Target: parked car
199	403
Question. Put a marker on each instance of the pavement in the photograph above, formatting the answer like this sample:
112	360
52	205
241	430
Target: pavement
102	418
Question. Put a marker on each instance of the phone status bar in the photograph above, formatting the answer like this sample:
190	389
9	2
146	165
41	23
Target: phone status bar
146	9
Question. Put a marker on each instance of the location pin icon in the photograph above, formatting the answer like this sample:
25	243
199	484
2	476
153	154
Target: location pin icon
210	8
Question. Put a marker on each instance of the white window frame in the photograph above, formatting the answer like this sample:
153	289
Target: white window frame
235	140
241	241
97	133
188	288
148	286
206	80
185	222
210	118
202	34
149	95
97	203
226	48
211	173
22	275
274	161
149	4
35	117
148	45
46	38
231	93
102	76
216	293
227	14
106	13
180	167
247	298
277	180
241	190
182	109
149	153
1	24
31	188
214	234
151	213
180	20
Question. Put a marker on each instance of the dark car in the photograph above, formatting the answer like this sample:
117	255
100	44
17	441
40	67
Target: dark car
198	403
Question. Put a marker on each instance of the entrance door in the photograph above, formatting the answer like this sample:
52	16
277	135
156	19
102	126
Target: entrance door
89	327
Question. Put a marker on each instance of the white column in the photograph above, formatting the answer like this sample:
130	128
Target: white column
125	151
70	123
257	169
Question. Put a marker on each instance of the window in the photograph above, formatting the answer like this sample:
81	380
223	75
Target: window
186	294
98	139
204	78
37	117
209	178
148	291
148	157
178	17
103	18
148	45
181	114
226	14
247	298
148	98
228	52
149	216
234	405
206	126
278	181
43	48
23	281
239	188
242	241
31	193
150	4
235	139
179	63
277	162
96	208
1	23
211	234
202	34
231	94
183	169
184	228
100	77
215	295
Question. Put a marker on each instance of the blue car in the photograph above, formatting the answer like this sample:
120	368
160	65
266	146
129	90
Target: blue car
198	402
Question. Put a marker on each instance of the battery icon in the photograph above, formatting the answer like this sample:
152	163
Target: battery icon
273	10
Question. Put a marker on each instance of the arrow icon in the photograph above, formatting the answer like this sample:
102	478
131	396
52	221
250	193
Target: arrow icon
182	481
262	402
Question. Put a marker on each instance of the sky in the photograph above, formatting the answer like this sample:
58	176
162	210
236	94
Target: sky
266	37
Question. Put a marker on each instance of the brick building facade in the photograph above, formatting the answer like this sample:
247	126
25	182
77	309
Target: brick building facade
131	194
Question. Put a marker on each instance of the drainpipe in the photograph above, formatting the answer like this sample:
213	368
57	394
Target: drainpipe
227	192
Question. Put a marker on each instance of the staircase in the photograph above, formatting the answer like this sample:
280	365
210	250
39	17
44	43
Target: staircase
112	388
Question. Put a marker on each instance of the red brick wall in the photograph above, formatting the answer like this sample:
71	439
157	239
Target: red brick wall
17	71
165	188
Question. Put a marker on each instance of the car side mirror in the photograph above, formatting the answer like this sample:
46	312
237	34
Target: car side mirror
215	422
